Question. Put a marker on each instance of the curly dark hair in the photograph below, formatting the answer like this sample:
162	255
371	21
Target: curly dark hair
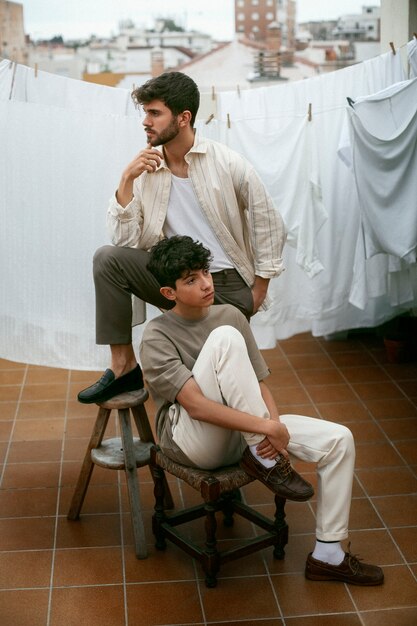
176	90
171	258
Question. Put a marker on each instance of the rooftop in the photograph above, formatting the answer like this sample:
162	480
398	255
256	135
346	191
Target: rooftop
59	573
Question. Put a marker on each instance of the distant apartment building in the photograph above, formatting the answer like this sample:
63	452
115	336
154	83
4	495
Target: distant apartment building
133	52
332	45
129	35
365	26
286	18
317	30
12	33
270	25
252	17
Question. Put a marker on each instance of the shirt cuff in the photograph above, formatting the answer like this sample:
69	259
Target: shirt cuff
117	210
269	270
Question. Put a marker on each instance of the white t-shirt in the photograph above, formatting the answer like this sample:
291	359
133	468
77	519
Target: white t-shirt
185	217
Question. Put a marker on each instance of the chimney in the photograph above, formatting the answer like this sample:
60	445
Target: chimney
157	62
273	36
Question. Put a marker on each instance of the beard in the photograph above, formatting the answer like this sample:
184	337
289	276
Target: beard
168	134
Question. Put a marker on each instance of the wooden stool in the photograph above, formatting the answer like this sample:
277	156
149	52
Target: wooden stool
125	453
219	490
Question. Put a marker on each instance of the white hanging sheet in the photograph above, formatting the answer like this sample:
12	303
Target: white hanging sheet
61	159
52	203
383	273
323	299
299	199
383	131
23	84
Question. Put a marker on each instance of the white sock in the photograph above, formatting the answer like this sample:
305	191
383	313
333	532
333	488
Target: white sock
265	462
329	552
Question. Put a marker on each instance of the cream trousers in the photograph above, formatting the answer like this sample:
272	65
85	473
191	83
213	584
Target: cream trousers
225	374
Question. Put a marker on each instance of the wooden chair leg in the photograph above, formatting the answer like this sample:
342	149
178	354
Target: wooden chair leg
132	484
88	465
159	512
281	527
211	562
145	433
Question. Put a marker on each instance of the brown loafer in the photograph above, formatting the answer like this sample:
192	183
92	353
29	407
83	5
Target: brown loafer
351	570
282	479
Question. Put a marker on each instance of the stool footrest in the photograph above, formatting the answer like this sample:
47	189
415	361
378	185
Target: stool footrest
111	455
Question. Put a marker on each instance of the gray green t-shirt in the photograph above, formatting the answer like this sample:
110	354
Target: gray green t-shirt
170	347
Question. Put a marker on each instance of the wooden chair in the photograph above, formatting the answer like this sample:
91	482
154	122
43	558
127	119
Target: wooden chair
220	492
121	453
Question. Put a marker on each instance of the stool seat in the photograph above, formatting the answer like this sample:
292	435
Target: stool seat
229	477
126	400
111	454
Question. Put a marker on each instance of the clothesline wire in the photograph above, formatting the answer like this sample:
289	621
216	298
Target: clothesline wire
236	119
288	113
239	91
293	113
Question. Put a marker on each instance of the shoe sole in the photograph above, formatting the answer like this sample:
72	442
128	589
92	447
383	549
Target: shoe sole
343	580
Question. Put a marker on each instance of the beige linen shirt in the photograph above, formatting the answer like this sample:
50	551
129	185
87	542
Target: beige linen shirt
232	197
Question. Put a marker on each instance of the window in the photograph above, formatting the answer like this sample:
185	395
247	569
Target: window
255	16
255	3
255	29
241	3
269	16
240	17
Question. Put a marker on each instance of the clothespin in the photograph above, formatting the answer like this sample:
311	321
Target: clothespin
133	86
415	35
210	117
391	43
36	70
309	112
213	93
238	91
13	65
228	120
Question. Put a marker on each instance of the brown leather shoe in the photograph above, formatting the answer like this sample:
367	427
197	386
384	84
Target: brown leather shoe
282	479
351	570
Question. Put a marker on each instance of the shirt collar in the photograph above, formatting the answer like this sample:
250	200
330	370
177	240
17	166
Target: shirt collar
199	146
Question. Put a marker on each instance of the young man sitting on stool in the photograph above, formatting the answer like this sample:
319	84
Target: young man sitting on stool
206	375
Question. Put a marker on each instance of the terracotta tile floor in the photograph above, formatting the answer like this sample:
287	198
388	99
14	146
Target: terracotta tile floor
59	573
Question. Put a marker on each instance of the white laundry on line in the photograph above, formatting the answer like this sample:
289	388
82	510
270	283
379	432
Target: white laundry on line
55	188
384	162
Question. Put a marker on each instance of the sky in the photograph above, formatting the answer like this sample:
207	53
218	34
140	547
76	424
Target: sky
81	18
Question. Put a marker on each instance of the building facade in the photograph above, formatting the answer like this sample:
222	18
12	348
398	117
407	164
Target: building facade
360	27
252	17
12	33
254	20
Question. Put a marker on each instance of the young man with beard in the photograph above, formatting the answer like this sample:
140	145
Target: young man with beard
179	184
